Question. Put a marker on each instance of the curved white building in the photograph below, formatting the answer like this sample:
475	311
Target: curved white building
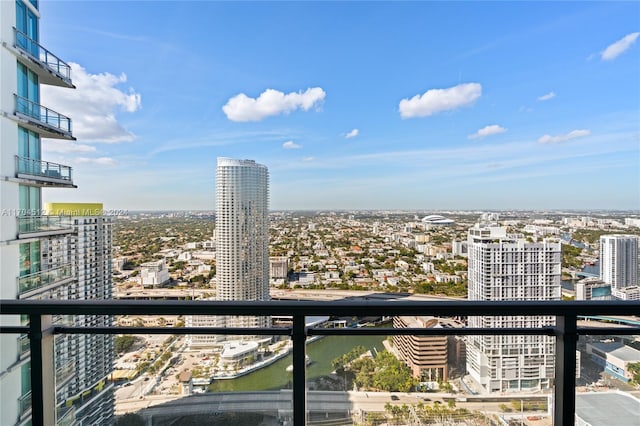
436	219
242	242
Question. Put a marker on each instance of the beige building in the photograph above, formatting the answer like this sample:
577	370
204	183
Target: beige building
426	356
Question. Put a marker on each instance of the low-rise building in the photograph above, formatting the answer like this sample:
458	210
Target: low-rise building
615	357
154	274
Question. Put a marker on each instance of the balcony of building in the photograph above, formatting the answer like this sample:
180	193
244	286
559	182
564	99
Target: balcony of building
33	284
43	226
40	119
49	68
44	173
297	404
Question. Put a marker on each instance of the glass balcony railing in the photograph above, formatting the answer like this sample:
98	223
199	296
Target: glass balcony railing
25	403
23	345
44	171
44	278
28	225
65	371
43	57
49	123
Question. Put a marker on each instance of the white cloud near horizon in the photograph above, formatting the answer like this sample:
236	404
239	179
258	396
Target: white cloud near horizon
548	96
271	102
437	100
565	137
493	129
352	134
64	147
619	47
92	106
291	145
102	161
307	159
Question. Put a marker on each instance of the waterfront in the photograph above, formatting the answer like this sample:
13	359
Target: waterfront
321	352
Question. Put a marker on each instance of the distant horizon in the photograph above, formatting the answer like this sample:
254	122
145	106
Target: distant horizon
351	105
470	211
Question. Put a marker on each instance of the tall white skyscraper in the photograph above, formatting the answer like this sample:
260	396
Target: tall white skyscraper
619	260
242	242
507	267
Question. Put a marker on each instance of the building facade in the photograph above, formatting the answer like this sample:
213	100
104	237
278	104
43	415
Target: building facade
84	362
593	288
154	274
40	253
426	356
619	260
242	242
508	267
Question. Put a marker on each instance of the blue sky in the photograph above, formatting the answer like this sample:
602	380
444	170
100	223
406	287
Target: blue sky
403	105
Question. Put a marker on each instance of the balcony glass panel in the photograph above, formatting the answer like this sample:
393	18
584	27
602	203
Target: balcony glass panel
23	345
39	224
25	403
39	53
43	115
44	278
65	371
44	169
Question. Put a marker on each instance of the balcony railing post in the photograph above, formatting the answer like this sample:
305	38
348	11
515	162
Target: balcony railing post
299	371
42	370
565	392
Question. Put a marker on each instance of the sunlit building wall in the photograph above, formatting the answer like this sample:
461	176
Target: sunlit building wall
508	267
619	260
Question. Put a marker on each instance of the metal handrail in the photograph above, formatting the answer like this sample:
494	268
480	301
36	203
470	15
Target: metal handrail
42	55
42	114
33	167
25	402
565	330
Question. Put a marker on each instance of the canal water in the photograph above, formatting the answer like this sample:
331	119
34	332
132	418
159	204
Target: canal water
321	352
590	269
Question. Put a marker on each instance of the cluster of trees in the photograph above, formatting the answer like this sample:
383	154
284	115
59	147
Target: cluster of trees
447	289
634	369
341	362
382	373
570	256
429	414
124	343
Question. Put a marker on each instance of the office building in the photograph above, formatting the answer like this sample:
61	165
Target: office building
426	356
242	243
508	267
619	260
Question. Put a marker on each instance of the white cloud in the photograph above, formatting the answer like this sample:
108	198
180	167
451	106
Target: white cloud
548	96
271	102
437	100
102	161
619	47
352	134
307	159
493	129
92	106
64	147
566	137
291	145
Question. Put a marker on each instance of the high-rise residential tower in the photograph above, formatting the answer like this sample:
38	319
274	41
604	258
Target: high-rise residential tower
508	267
242	241
619	260
242	228
38	256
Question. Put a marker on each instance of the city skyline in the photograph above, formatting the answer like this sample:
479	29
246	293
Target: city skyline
376	106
